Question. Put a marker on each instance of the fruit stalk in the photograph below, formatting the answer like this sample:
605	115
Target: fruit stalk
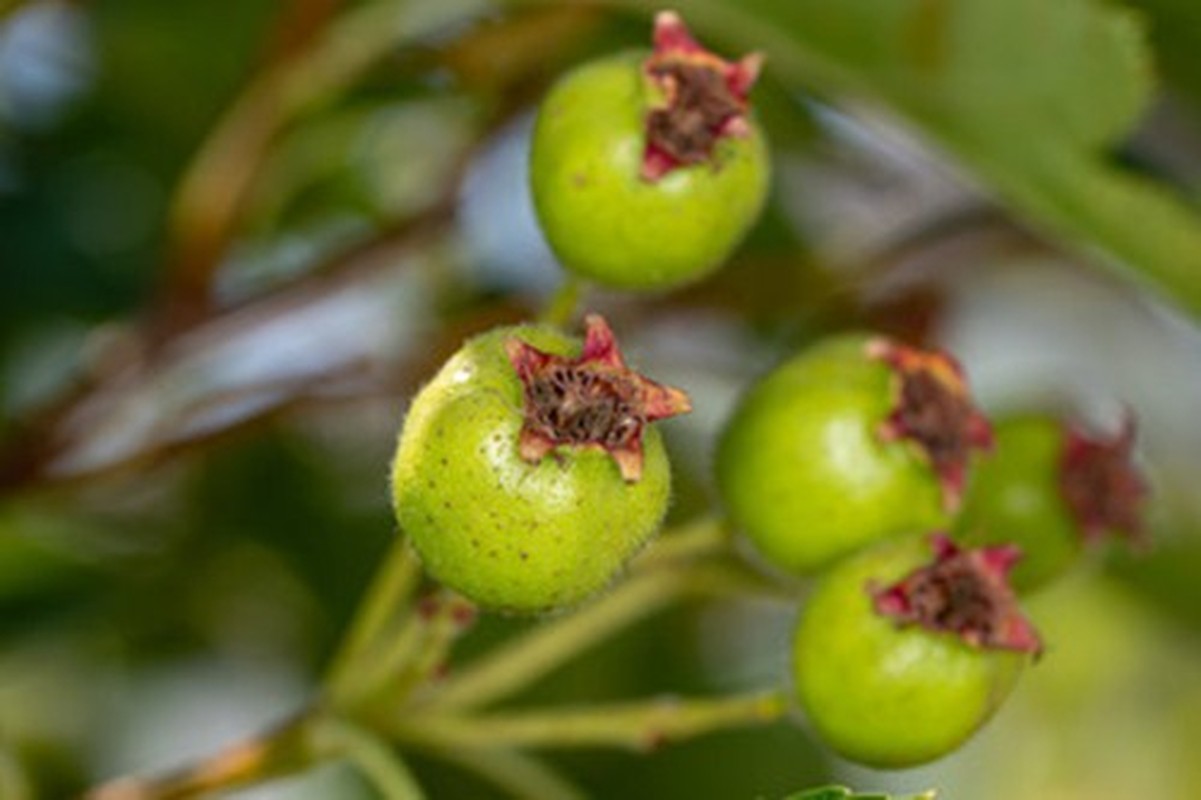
522	662
642	725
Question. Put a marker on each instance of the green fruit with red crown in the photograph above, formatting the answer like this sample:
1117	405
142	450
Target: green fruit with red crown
904	650
852	440
648	170
527	472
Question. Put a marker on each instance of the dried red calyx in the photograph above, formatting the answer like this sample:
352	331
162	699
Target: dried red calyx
593	401
704	98
933	410
963	592
1100	484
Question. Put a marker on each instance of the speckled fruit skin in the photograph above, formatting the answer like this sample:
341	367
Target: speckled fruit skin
882	695
511	535
1014	497
604	221
801	468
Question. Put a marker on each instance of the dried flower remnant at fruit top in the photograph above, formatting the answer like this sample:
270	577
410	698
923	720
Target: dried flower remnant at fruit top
593	401
704	98
933	409
1100	484
963	592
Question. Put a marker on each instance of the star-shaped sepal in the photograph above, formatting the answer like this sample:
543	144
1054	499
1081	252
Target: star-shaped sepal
1100	483
592	401
933	411
964	592
703	98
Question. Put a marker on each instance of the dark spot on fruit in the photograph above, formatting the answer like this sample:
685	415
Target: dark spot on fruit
524	555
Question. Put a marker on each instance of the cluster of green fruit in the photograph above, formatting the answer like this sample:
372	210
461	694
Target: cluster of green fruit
528	472
840	464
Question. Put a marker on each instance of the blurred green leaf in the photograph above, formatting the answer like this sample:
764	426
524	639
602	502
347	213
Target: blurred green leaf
1175	29
1028	94
843	793
39	579
357	160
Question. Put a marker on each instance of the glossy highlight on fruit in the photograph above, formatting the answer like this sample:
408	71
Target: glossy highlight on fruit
648	170
1052	488
905	649
854	439
526	473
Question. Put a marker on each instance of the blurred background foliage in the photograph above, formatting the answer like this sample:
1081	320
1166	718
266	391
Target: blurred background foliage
235	235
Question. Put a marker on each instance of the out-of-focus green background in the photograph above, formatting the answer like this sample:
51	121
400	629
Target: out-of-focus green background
235	235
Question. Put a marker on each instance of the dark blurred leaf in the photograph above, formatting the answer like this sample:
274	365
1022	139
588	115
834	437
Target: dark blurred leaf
81	218
1166	577
274	492
1175	29
1028	94
37	580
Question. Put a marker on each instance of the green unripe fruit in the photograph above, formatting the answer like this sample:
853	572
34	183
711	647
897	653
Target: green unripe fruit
853	440
494	519
616	209
1049	489
1015	497
878	681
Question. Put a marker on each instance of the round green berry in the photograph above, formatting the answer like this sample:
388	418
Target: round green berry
1049	489
621	210
852	440
898	658
497	507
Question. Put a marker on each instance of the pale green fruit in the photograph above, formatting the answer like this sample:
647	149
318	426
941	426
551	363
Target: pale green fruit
803	471
885	695
509	534
607	223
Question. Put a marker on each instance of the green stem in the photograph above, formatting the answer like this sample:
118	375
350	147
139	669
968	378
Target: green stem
524	661
13	782
412	655
447	616
386	600
374	758
520	775
563	303
640	726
